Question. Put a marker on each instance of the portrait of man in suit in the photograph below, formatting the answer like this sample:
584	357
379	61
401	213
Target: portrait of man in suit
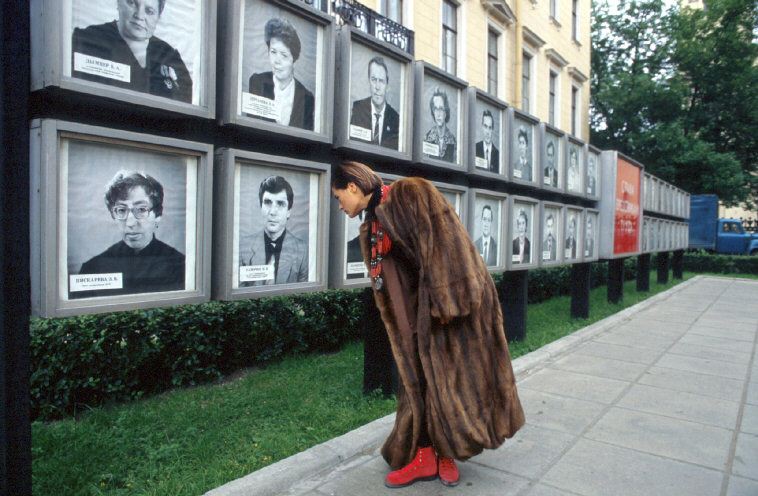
486	244
486	149
521	249
591	175
277	255
570	243
589	237
550	176
522	167
549	242
374	113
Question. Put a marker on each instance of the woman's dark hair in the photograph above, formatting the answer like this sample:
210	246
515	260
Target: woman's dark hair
125	181
358	173
281	29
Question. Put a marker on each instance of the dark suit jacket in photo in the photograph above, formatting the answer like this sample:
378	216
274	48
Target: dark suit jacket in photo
491	251
361	116
549	245
494	164
571	246
293	260
527	250
303	104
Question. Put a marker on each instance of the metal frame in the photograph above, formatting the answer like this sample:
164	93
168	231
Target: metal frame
503	143
48	17
231	36
560	155
45	257
503	200
593	151
536	147
346	37
422	71
223	233
459	190
558	234
536	255
595	237
607	205
581	163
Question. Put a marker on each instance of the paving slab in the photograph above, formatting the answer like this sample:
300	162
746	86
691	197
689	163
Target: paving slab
573	385
619	352
710	353
668	315
727	323
719	342
545	490
600	367
637	339
549	411
746	456
703	366
720	332
665	436
592	468
749	422
739	486
692	382
752	390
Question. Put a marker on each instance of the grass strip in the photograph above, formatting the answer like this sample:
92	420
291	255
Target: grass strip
188	441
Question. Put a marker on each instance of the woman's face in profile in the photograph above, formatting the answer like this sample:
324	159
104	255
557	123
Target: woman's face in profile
282	62
137	19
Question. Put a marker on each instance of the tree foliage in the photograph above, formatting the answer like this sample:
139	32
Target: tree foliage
677	90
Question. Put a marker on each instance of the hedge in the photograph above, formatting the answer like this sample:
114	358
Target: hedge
721	264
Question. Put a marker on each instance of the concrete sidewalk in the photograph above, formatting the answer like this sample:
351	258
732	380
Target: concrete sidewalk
658	400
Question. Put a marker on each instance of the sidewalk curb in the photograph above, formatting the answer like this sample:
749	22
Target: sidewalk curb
279	477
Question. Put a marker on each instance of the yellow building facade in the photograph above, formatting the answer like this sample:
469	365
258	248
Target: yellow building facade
540	48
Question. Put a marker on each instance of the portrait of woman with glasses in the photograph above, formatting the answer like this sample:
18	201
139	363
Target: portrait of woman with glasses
145	263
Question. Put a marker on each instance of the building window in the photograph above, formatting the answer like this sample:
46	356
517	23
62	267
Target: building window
392	9
449	36
492	68
554	9
575	20
553	97
526	81
574	109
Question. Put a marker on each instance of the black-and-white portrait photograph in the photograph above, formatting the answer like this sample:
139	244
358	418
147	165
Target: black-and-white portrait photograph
593	177
454	198
551	173
148	46
377	83
590	234
487	137
129	217
574	169
523	232
355	268
551	228
281	73
571	234
276	225
441	120
523	150
487	222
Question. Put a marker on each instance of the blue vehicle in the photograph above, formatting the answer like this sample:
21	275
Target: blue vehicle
708	232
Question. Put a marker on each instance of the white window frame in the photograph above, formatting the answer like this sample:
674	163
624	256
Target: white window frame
557	102
459	68
525	50
383	7
500	55
576	110
575	20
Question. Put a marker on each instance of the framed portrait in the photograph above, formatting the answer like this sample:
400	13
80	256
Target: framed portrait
686	205
164	58
374	96
552	148
645	243
551	233
487	213
487	135
646	191
346	268
524	148
592	179
272	225
590	233
440	118
659	192
523	227
109	235
575	172
620	205
278	68
572	235
457	195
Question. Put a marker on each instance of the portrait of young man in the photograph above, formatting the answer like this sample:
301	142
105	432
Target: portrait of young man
589	236
521	245
522	159
570	242
549	241
373	119
486	244
591	175
550	176
487	154
276	255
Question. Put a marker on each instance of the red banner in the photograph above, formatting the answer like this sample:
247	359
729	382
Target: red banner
626	223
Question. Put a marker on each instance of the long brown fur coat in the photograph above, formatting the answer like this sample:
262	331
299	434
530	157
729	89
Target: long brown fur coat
445	327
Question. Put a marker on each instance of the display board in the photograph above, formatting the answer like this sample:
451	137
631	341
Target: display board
551	233
553	150
591	237
272	222
525	148
592	178
488	211
523	230
487	131
575	167
119	220
620	207
163	57
572	236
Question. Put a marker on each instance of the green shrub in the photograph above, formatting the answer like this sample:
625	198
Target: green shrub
701	261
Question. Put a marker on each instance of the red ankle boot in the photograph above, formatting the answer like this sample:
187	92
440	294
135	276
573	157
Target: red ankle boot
448	471
423	467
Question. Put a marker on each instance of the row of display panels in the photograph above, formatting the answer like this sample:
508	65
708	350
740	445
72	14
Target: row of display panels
287	70
124	220
664	198
663	235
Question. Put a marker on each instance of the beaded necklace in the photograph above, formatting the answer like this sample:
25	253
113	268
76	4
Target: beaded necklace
380	241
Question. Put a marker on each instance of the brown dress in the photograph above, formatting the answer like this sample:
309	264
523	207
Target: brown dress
445	327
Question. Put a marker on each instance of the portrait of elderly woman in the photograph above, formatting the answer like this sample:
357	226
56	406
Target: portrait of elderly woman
440	135
125	53
293	104
146	264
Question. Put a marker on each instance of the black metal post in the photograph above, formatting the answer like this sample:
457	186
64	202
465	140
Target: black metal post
616	280
379	369
15	422
643	272
662	261
514	298
580	291
677	264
